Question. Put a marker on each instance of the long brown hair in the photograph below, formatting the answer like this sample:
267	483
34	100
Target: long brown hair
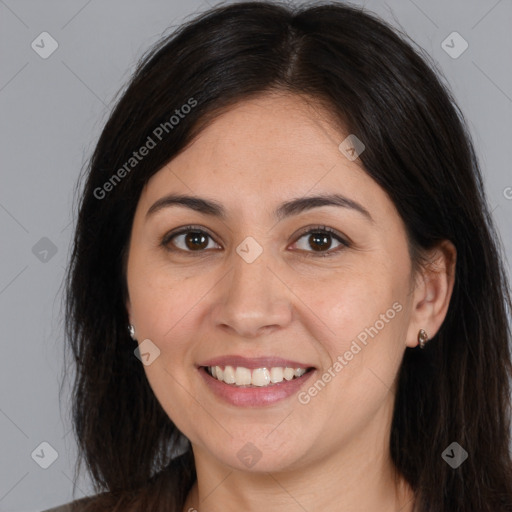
418	150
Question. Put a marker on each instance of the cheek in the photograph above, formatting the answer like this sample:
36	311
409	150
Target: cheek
349	302
158	298
364	322
162	316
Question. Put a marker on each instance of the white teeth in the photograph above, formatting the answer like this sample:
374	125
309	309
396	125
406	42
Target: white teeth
288	373
229	375
276	374
259	377
242	376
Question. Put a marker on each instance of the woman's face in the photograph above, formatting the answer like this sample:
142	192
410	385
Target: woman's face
263	286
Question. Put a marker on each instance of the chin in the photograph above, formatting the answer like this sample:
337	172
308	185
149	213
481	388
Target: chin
253	457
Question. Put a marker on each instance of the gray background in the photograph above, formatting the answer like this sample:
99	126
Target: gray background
52	111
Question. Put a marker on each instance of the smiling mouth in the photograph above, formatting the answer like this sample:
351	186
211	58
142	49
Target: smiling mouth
258	377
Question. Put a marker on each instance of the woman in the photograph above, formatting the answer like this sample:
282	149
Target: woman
285	287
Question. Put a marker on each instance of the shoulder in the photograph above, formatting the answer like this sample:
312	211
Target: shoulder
160	487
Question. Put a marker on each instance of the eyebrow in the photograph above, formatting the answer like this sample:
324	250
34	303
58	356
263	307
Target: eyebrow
287	209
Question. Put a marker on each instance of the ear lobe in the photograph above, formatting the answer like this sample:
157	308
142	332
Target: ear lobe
433	292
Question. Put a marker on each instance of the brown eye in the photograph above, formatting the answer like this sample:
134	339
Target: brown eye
320	240
195	240
188	239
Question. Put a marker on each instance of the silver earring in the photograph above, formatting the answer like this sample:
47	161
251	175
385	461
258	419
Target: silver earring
131	330
422	338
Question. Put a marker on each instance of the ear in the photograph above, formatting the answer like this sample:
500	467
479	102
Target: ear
433	290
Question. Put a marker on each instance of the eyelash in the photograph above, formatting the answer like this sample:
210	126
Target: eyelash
315	229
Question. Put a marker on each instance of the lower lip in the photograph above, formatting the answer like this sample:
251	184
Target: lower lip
254	396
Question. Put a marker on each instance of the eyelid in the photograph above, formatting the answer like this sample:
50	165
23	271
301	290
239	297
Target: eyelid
327	229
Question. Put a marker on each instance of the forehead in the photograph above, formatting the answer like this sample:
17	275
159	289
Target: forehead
263	151
269	130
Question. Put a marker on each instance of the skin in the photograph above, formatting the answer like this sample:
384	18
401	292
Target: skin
331	454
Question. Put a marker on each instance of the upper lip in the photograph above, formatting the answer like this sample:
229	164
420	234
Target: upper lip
254	362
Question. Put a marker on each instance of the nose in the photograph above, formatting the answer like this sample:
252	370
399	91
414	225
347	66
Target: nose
252	299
